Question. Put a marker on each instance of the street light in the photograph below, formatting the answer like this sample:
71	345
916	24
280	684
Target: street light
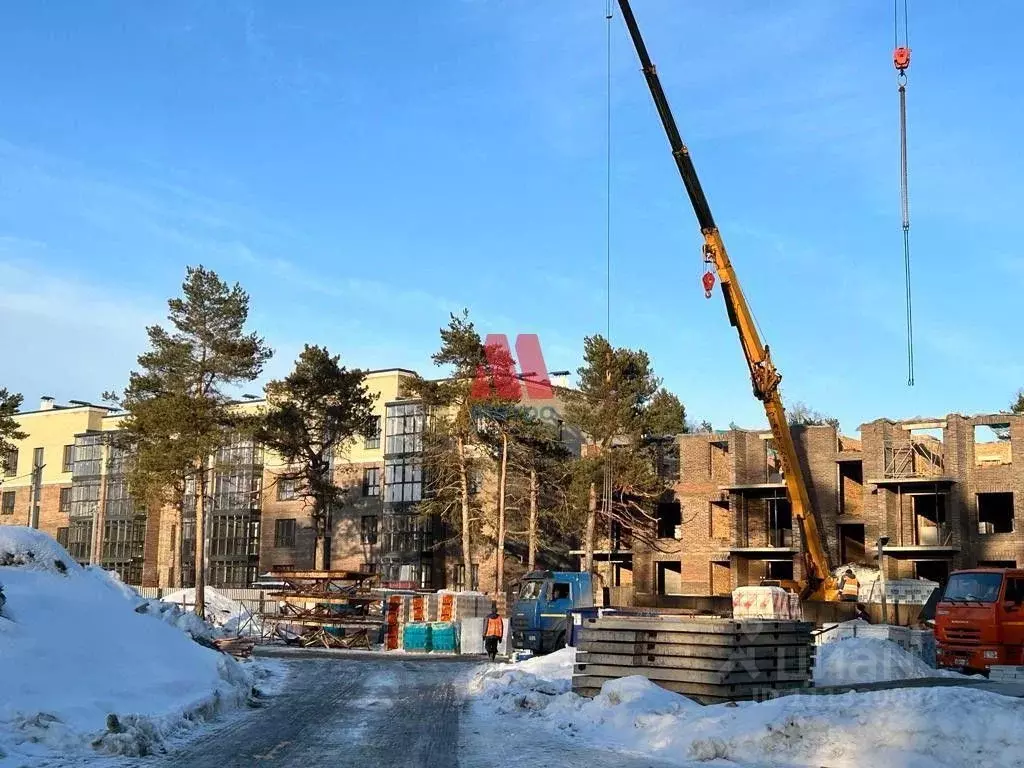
882	541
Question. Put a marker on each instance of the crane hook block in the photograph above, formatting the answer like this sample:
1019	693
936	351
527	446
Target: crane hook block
709	283
901	58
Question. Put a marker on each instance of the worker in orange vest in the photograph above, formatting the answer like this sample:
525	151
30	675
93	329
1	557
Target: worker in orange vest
849	587
494	630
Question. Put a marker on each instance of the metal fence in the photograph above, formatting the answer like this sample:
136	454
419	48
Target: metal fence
258	605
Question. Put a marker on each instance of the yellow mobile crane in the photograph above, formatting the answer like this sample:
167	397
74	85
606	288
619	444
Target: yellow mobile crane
819	584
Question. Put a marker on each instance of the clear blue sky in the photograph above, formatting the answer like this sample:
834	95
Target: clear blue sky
364	168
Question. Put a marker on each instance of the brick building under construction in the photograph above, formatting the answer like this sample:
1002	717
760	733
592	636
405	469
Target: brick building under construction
945	492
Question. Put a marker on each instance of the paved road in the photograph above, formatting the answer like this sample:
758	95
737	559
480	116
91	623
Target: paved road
377	714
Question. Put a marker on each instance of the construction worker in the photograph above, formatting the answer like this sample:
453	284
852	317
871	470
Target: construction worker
849	587
494	630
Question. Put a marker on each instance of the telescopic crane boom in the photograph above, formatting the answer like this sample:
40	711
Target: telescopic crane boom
763	374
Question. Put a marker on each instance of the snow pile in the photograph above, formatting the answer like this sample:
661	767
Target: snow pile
909	728
869	660
221	610
80	666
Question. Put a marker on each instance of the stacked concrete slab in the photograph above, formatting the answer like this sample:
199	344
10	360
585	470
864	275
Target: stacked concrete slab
1004	673
708	659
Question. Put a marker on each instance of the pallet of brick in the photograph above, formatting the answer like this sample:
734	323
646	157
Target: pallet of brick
765	603
445	606
393	621
710	660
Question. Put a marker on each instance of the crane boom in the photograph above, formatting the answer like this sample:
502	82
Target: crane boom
763	374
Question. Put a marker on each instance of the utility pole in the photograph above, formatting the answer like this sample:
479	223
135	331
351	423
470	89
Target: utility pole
37	486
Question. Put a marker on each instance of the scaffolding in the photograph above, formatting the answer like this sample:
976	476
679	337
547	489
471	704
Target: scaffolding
911	456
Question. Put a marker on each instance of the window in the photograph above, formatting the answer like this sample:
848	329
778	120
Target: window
1014	591
669	576
403	481
404	427
287	488
68	462
37	458
973	587
371	481
284	532
992	447
560	591
368	529
371	437
7	503
65	501
78	540
460	577
11	463
370	568
670	517
62	537
995	513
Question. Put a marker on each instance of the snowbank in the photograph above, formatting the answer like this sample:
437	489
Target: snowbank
80	666
869	660
910	728
221	610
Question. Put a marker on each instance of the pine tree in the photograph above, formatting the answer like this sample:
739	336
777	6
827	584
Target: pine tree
619	405
451	456
178	413
313	412
1017	406
10	402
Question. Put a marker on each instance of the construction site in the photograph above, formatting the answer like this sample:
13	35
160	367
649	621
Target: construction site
792	593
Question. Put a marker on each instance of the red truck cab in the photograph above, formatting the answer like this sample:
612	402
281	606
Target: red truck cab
979	620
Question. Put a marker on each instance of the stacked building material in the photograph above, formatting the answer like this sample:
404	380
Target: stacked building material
765	603
921	643
711	660
902	591
417	637
444	636
1003	673
394	618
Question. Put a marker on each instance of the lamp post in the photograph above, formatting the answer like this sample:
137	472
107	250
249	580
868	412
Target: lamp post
882	541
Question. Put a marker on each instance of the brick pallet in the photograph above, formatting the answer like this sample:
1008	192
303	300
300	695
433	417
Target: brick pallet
709	660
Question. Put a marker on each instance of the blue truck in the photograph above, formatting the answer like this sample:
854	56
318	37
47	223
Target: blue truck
540	613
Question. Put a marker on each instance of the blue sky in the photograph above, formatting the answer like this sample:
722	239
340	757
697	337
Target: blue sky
365	168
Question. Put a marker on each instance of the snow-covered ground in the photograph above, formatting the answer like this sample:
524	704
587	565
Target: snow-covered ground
869	660
906	728
85	664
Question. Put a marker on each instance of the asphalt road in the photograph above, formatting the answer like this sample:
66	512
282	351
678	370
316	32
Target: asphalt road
375	713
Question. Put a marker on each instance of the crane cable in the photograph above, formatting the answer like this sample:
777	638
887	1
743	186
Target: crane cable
901	60
608	488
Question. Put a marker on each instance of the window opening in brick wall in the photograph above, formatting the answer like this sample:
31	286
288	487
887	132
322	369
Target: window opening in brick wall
930	527
368	529
287	488
851	487
460	577
851	543
992	447
780	522
65	501
772	462
670	519
669	574
781	570
995	513
284	532
933	570
122	549
371	481
721	578
7	503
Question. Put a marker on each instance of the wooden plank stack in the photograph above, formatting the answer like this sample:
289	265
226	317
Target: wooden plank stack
711	660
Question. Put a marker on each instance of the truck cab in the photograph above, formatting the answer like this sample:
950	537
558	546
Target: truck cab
979	620
540	613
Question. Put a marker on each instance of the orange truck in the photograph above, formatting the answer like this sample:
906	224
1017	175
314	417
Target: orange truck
979	620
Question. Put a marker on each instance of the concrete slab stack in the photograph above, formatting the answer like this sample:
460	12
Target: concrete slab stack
708	659
1006	674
